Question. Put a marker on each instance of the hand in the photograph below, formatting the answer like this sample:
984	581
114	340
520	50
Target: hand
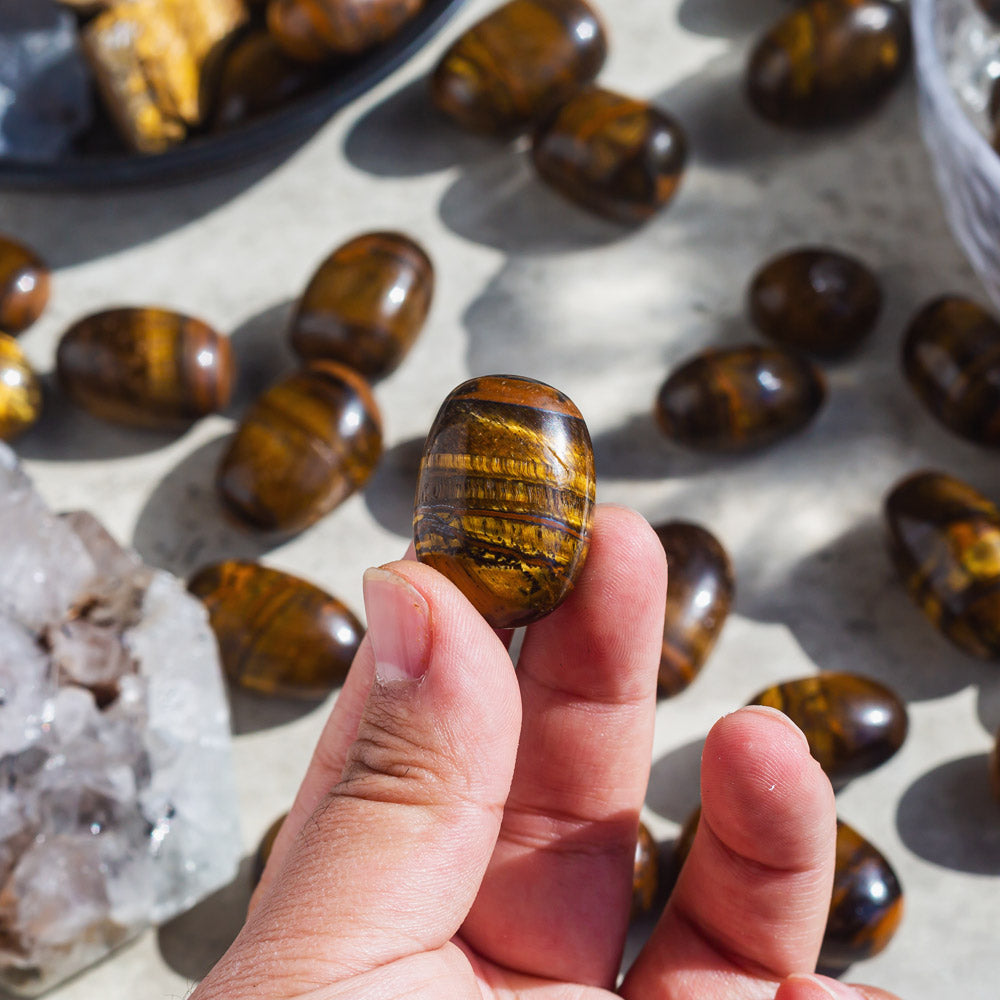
467	832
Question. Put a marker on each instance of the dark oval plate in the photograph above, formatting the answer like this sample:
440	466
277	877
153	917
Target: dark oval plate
235	147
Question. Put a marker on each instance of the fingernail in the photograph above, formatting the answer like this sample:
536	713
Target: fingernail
398	626
830	987
773	713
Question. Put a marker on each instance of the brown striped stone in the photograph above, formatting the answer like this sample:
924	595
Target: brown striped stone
20	392
24	286
645	872
505	496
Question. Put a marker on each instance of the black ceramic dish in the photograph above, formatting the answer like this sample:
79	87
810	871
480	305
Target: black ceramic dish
237	146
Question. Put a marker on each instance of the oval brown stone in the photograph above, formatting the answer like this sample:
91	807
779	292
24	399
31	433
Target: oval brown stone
853	724
944	538
366	304
314	30
277	634
816	300
740	398
518	64
145	367
951	358
829	61
699	595
24	286
304	447
645	872
266	846
20	392
505	496
614	155
866	906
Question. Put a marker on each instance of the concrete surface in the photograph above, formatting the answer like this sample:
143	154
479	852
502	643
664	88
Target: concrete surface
529	284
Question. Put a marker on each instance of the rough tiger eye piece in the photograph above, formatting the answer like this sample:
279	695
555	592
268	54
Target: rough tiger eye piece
951	358
944	538
853	724
24	286
740	398
366	304
145	367
304	447
518	64
314	30
867	902
505	496
699	595
266	846
614	155
829	61
20	392
277	634
645	872
815	300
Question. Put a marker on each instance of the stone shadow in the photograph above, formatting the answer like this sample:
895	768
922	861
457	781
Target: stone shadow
262	353
674	790
389	494
252	712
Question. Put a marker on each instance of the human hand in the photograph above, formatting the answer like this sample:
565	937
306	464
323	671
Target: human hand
465	831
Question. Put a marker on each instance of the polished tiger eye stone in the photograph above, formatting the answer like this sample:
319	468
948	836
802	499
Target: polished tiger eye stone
20	392
699	595
645	872
304	447
265	847
505	496
951	358
815	300
867	902
24	286
740	398
614	155
944	538
314	30
277	634
853	724
518	64
145	367
828	61
366	304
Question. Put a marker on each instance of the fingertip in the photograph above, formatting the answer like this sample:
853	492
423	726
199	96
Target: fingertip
802	986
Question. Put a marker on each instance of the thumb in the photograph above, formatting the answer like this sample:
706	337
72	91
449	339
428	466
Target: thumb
809	987
391	861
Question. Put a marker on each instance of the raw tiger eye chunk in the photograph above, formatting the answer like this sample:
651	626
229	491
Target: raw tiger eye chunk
505	496
944	538
313	30
304	447
951	358
614	155
24	286
815	300
829	61
145	367
277	634
853	724
699	595
645	872
740	398
518	64
20	392
867	902
366	304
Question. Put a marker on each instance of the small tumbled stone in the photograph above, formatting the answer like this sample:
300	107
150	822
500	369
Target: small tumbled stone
645	872
24	286
20	392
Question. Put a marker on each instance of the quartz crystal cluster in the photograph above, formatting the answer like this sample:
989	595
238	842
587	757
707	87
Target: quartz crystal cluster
117	797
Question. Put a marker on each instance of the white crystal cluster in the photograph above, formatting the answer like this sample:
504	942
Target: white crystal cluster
117	799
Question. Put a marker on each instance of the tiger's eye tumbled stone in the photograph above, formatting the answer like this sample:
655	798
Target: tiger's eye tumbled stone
266	846
944	538
853	724
815	300
277	634
304	447
145	367
366	304
645	872
829	61
505	496
699	595
614	155
951	358
20	393
314	30
518	64
24	286
740	398
867	903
